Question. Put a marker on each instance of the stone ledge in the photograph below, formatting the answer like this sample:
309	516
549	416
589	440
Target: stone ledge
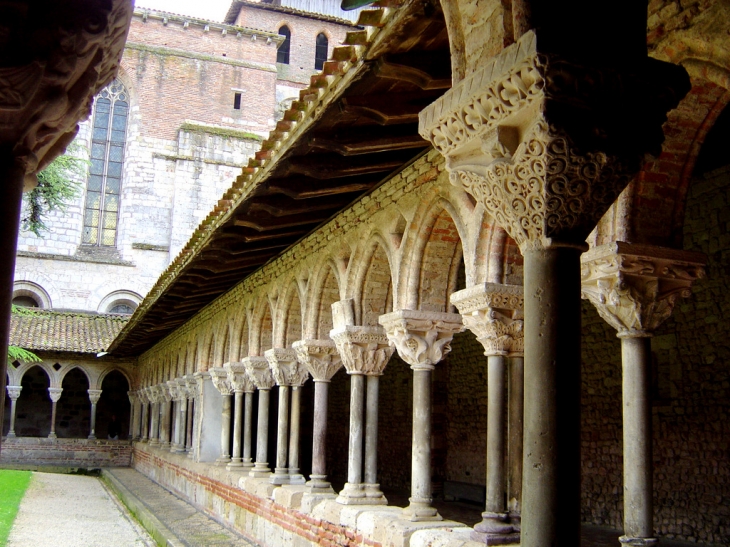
76	258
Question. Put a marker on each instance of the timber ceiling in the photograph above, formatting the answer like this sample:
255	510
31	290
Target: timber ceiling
369	133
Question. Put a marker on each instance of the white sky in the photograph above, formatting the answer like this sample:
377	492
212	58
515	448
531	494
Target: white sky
214	10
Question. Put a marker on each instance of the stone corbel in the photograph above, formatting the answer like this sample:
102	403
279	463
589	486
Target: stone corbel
259	372
219	376
319	357
494	313
635	287
94	395
285	368
237	377
363	350
422	338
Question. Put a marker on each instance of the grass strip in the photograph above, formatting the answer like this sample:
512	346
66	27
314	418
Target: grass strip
13	485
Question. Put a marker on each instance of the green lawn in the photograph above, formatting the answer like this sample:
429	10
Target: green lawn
12	488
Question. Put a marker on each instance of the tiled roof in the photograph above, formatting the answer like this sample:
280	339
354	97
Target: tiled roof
65	331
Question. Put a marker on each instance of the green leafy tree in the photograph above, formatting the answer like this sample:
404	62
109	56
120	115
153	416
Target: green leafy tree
57	186
16	353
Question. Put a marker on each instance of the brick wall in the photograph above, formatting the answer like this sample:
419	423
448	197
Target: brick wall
81	453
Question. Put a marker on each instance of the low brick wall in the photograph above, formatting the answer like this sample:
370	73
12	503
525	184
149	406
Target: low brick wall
83	453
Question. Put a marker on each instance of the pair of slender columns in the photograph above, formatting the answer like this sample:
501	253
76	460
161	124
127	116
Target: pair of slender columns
365	352
242	386
289	375
219	376
194	390
13	393
165	415
144	423
133	415
422	340
258	371
493	312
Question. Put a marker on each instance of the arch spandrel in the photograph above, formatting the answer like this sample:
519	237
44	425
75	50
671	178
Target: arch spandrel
324	292
290	317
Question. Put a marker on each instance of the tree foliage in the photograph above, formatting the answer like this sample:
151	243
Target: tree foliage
16	353
58	184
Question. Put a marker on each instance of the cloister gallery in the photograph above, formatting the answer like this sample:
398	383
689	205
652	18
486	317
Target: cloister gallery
387	300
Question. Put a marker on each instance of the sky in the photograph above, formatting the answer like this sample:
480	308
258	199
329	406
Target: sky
214	10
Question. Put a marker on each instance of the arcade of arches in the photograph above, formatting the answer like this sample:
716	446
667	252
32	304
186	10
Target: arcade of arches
429	340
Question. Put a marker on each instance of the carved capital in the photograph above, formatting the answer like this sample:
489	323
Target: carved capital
132	395
193	387
494	313
363	350
142	395
421	338
182	387
546	144
14	392
237	377
259	372
219	376
55	393
94	395
285	367
634	287
174	389
319	357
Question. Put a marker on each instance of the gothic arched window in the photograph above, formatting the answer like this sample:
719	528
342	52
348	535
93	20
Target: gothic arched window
282	54
103	188
320	54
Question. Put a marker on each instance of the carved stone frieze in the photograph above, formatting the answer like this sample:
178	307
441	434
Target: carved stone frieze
546	145
320	357
94	395
363	350
285	367
14	392
55	393
237	377
421	338
259	372
635	287
219	376
494	313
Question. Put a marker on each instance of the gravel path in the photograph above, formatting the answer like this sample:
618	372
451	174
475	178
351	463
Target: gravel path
73	511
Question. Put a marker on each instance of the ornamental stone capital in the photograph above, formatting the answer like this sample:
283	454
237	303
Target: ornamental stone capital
219	376
182	387
94	395
546	144
285	367
363	350
422	338
55	393
14	392
494	313
142	395
319	357
237	377
258	371
165	393
174	389
133	397
193	388
635	287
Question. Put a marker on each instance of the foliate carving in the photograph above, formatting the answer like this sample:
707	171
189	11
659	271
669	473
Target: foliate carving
174	389
142	395
494	313
55	393
363	350
14	392
219	376
320	357
545	144
259	372
193	388
287	371
237	377
635	287
94	395
182	387
421	338
164	393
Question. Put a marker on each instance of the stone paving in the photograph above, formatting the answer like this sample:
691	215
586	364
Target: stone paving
189	526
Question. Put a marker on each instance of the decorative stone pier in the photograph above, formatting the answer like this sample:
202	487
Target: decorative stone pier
240	383
634	288
422	340
259	372
493	313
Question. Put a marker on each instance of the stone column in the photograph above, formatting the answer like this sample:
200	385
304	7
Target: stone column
246	460
193	398
259	372
55	394
174	388
13	393
546	143
144	424
634	288
287	373
165	415
422	340
321	359
181	438
94	396
241	383
134	415
364	351
153	394
219	376
493	313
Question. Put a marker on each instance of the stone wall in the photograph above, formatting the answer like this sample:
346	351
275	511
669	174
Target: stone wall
691	393
81	453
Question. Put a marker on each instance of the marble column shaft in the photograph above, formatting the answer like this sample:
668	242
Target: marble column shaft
13	393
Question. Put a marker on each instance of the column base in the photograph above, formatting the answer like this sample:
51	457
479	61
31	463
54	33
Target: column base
52	436
495	529
637	542
374	495
318	485
352	494
515	519
165	445
235	464
420	510
260	471
10	435
154	442
90	437
247	463
144	440
280	476
295	477
222	460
